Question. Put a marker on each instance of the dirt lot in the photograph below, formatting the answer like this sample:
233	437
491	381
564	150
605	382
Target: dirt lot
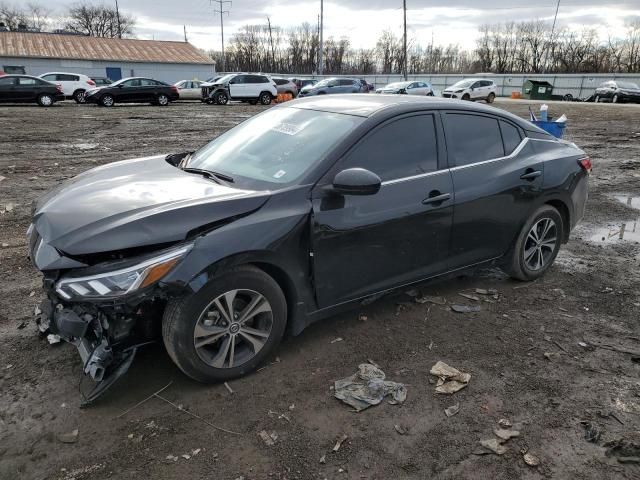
522	349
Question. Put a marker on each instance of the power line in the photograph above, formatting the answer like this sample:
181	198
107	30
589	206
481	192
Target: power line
404	8
320	52
222	11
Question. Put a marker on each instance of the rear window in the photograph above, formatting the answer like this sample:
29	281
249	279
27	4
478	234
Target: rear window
347	82
472	138
510	137
63	77
280	81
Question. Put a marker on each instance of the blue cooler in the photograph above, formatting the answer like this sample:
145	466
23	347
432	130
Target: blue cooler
554	128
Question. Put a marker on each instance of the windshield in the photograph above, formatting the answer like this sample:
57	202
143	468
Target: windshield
226	78
276	147
627	85
463	84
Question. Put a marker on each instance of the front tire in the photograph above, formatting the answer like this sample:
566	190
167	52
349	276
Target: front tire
228	328
107	100
221	98
537	245
45	100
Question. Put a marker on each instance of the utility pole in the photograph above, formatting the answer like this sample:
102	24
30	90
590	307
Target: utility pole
404	7
222	11
553	28
273	50
118	19
185	33
320	52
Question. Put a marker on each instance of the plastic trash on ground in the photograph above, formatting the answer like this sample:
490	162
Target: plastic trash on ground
368	387
450	379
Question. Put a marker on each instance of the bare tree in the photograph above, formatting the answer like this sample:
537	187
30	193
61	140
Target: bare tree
99	21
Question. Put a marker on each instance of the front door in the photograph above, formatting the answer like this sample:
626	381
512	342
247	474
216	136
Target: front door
238	86
366	244
496	184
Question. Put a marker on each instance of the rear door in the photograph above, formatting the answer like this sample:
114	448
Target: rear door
497	179
26	89
365	244
7	88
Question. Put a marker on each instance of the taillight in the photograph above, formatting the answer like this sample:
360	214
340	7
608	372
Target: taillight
59	87
174	88
91	82
586	164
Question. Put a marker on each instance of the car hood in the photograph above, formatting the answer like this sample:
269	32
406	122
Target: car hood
135	203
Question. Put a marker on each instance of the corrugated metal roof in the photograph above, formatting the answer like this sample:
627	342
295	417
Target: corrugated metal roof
79	47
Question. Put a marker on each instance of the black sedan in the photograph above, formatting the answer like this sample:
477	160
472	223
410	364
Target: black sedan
291	216
617	91
133	90
28	89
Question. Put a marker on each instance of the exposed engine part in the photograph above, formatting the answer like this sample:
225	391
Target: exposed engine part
95	359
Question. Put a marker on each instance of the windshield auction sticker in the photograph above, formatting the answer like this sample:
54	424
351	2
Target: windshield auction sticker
287	128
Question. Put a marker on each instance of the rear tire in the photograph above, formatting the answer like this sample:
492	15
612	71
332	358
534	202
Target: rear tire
265	98
45	100
537	245
162	100
107	100
78	96
491	98
202	338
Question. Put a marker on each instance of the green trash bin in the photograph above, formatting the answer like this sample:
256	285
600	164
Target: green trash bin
537	90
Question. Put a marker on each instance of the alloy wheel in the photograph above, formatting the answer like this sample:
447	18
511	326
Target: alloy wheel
233	328
46	100
540	244
163	100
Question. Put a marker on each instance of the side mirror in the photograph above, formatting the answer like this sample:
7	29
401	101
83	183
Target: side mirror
356	181
120	85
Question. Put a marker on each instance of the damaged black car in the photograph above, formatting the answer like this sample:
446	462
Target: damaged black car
290	217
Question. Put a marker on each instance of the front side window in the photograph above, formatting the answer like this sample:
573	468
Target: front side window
7	81
240	79
472	138
274	148
401	148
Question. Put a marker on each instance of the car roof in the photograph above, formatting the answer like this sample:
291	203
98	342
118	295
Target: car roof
63	73
15	75
369	105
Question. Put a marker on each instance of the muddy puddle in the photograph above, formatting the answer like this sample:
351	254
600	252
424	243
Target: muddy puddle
614	232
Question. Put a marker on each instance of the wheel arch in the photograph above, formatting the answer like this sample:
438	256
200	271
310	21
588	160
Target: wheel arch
565	213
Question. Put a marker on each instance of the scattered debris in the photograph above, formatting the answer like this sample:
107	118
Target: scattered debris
339	442
292	407
195	452
505	423
22	324
506	434
483	291
171	458
400	429
626	450
186	456
493	445
368	387
336	340
413	293
531	460
465	308
430	299
228	388
70	437
146	399
2	178
5	245
32	294
450	379
592	432
362	317
8	207
470	297
551	355
452	410
52	338
130	436
323	459
268	439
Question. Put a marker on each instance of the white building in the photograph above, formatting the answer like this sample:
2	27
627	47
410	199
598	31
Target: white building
115	58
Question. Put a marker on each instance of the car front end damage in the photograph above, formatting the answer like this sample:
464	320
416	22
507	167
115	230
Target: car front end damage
107	310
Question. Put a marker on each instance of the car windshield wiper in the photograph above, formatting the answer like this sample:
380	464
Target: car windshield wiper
217	176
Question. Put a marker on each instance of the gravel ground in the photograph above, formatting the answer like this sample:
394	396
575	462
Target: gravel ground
521	349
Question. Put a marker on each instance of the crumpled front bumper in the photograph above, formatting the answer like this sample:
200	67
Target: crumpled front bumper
86	329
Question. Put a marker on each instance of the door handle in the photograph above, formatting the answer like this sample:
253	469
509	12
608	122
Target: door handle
530	174
435	197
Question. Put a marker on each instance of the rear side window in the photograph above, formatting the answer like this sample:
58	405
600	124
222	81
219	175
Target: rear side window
28	81
281	81
63	77
145	82
510	137
50	78
472	138
7	81
402	148
346	82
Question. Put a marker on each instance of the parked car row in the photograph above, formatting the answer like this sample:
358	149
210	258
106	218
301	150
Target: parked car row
617	91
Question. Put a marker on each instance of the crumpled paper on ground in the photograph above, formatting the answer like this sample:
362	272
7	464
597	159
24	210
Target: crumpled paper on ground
450	379
368	387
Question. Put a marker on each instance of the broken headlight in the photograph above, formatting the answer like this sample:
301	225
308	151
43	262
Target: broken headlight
121	281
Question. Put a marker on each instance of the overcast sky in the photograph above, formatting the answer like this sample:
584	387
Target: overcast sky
449	21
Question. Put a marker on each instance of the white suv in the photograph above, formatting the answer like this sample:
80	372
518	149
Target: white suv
247	87
74	85
472	89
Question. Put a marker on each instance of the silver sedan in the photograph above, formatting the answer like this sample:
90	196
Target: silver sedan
189	89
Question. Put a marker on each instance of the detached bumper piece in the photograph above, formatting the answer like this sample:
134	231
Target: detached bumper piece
103	362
